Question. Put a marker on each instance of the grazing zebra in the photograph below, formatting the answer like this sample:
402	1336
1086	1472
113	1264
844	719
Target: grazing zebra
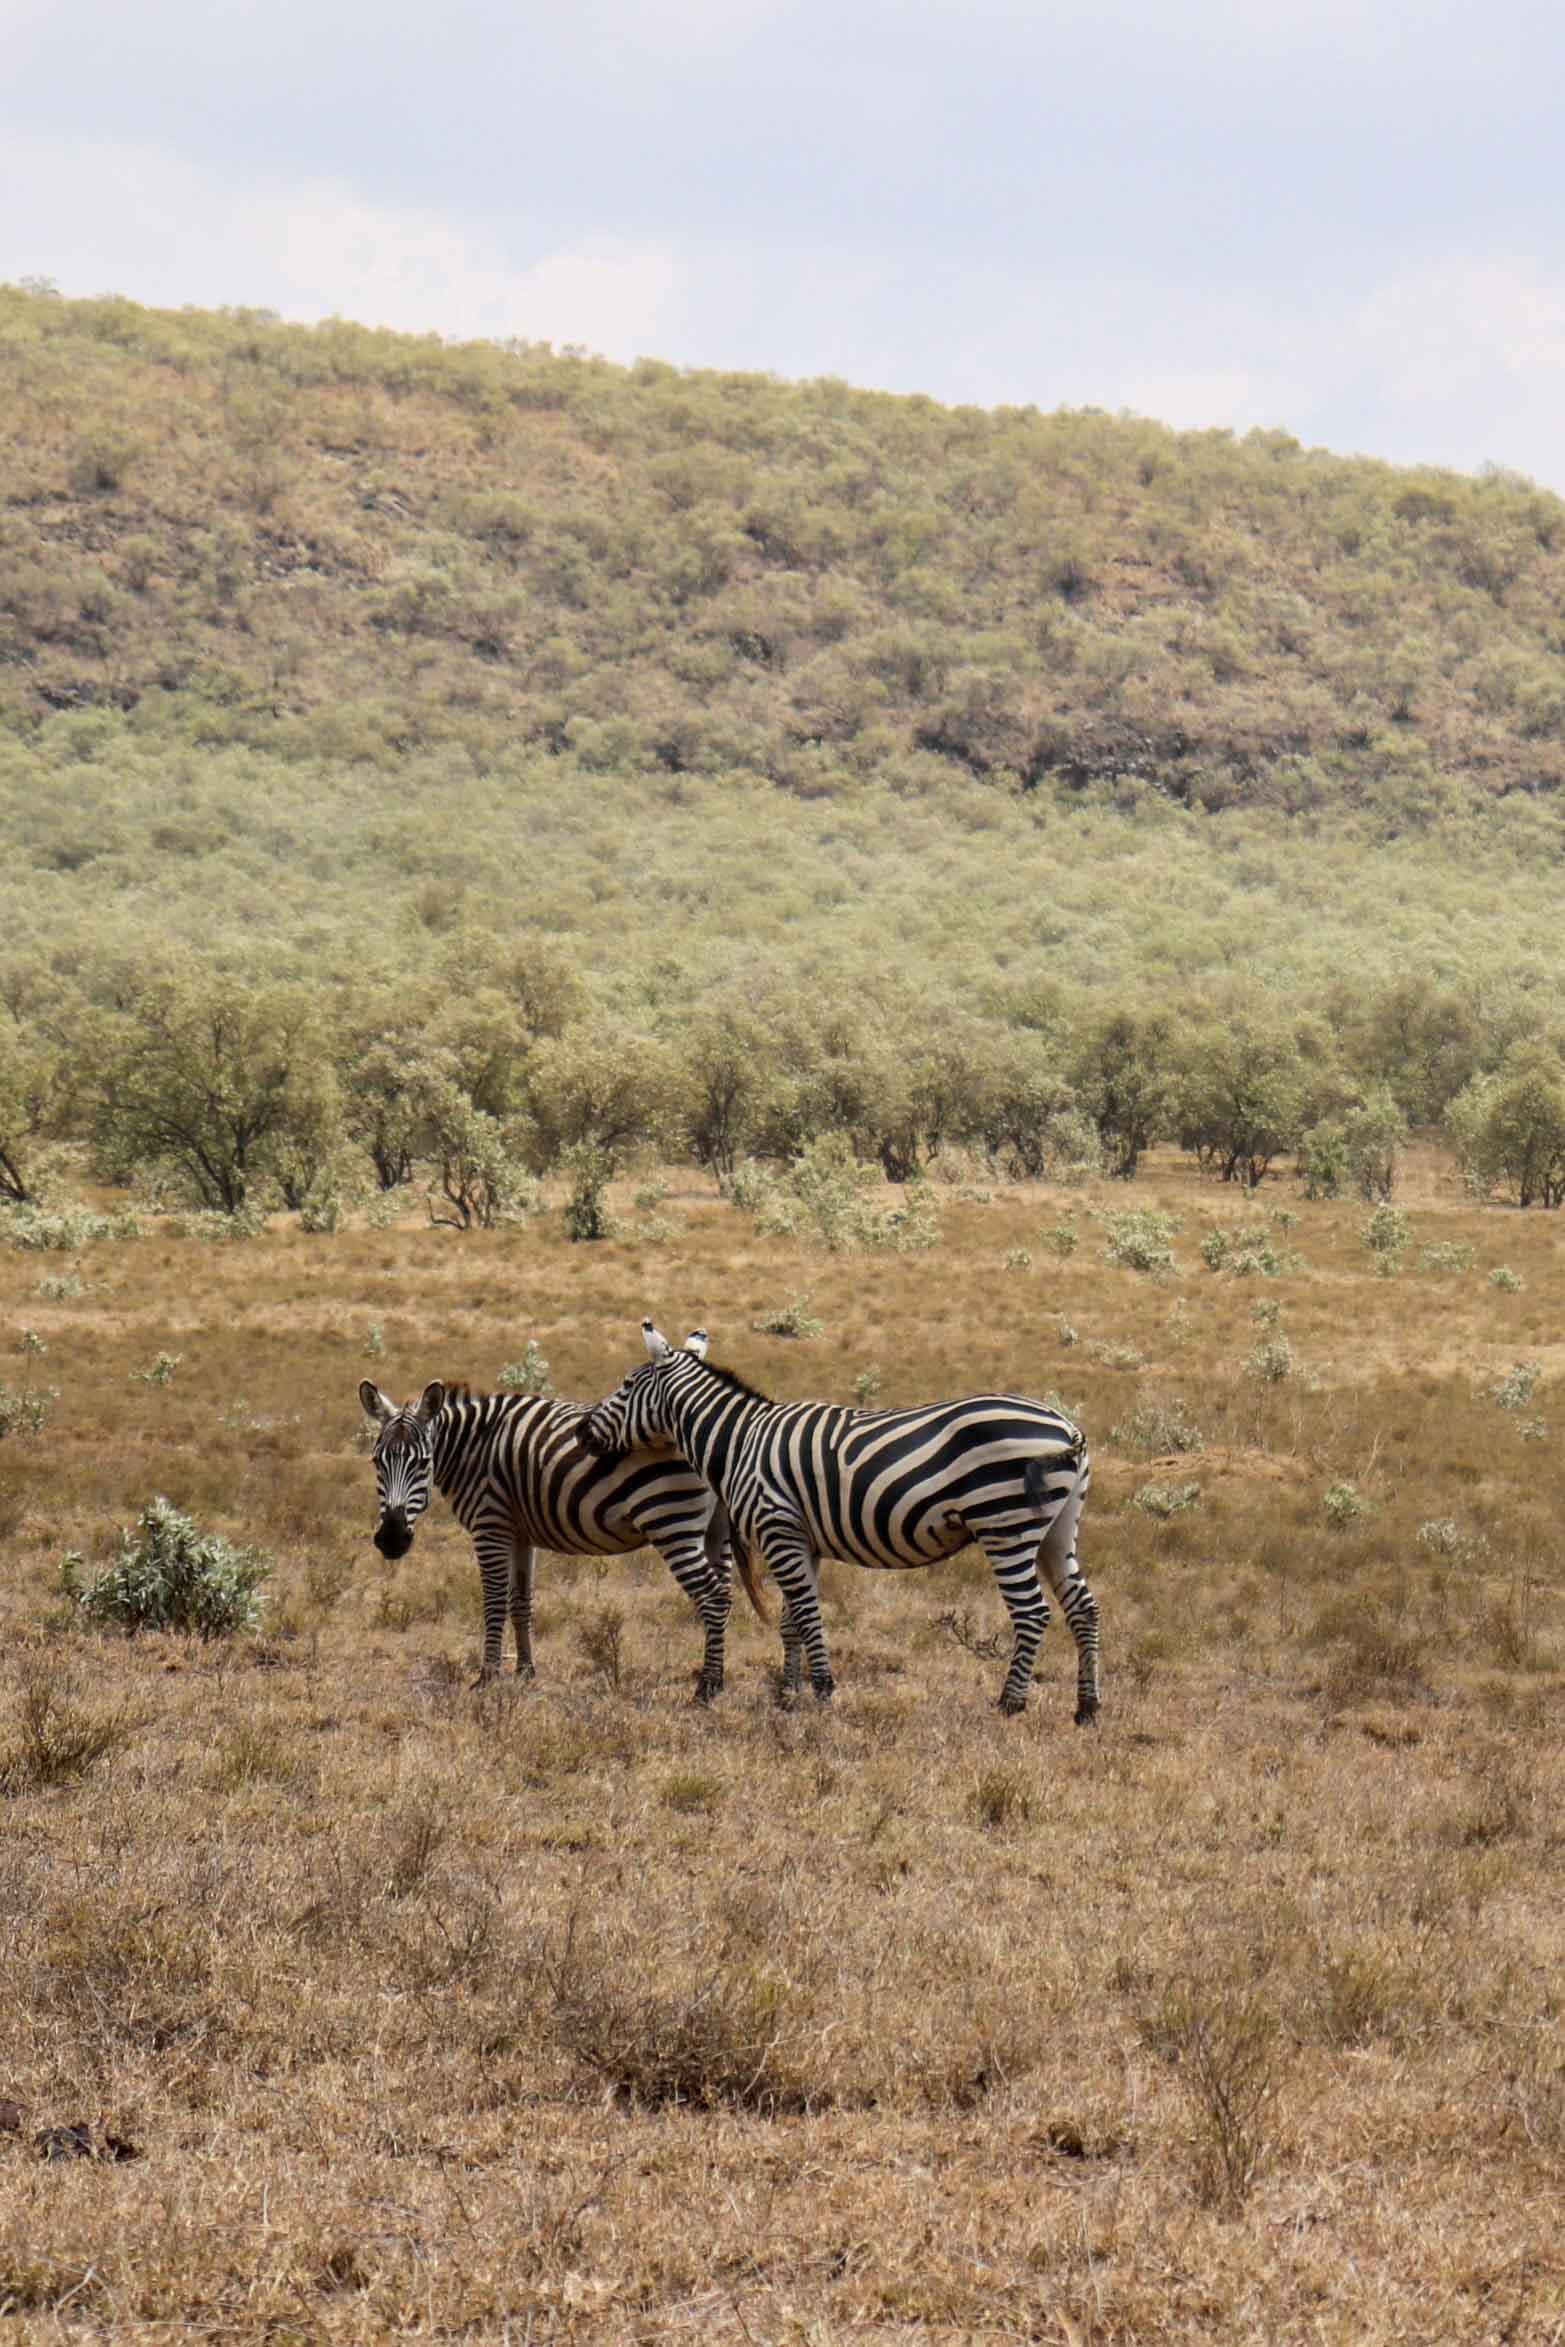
517	1478
805	1480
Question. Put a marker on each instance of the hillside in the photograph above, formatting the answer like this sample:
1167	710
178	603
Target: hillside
389	670
340	544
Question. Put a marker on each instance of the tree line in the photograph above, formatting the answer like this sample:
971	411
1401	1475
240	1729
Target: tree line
232	1092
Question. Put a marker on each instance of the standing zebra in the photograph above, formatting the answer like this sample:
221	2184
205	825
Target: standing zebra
888	1488
515	1473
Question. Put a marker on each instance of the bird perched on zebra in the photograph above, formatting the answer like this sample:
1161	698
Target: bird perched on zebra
518	1480
890	1488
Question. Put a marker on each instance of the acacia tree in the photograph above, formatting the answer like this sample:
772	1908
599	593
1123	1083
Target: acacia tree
1242	1099
1024	1106
27	1087
1509	1129
931	1090
727	1089
205	1074
1124	1077
599	1085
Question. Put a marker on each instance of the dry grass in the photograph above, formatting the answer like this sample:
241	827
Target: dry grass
575	2012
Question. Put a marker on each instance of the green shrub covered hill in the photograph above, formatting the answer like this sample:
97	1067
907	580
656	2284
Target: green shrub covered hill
471	760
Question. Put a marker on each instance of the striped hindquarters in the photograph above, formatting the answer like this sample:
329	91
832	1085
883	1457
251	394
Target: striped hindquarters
904	1487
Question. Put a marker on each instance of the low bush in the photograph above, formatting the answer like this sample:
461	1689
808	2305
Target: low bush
171	1576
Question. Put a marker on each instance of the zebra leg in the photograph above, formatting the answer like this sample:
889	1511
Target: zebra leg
1077	1603
710	1592
494	1567
524	1565
1015	1569
793	1569
792	1679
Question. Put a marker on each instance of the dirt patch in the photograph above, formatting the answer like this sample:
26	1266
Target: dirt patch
1261	1466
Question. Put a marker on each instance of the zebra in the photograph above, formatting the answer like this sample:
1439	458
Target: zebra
886	1488
517	1478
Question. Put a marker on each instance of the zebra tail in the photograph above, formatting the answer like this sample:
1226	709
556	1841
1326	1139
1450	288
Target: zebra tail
752	1587
1069	1455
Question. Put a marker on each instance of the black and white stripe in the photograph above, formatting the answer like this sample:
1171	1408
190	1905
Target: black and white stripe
518	1480
887	1488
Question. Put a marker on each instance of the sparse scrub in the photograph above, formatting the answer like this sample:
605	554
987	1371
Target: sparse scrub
169	1575
1387	1233
791	1319
722	2041
1226	2045
1372	1874
1271	1362
1001	1799
1164	1500
1159	1422
1142	1240
602	1641
529	1375
24	1410
54	1737
1516	1388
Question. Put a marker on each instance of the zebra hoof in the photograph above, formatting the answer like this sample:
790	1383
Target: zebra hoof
1012	1704
1086	1715
485	1678
708	1690
824	1689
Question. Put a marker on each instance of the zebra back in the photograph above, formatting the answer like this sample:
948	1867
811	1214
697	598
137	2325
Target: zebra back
513	1462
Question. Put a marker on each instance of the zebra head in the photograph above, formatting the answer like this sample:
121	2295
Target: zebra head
404	1462
635	1415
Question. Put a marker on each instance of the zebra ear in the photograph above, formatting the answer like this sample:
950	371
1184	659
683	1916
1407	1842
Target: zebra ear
696	1342
377	1405
431	1399
655	1341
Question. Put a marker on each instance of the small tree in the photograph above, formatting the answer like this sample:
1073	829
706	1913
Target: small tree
586	1213
603	1086
1358	1149
204	1074
1241	1099
478	1170
1509	1130
1124	1077
27	1086
728	1084
1023	1101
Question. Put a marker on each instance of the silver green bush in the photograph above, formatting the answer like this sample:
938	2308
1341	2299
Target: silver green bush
169	1575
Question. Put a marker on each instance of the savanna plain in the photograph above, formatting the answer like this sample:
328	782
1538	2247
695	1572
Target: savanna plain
571	2010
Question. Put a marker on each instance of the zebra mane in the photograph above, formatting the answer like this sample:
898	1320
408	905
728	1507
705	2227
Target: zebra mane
458	1392
736	1384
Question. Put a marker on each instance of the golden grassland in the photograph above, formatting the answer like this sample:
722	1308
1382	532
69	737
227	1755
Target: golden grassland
573	2011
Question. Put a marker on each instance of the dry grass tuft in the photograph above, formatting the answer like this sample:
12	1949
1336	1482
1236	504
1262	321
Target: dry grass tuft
56	1737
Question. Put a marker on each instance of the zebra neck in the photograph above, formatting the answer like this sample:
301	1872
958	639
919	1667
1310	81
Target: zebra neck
707	1420
453	1429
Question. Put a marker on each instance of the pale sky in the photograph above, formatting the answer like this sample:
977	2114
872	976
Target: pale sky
1340	217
